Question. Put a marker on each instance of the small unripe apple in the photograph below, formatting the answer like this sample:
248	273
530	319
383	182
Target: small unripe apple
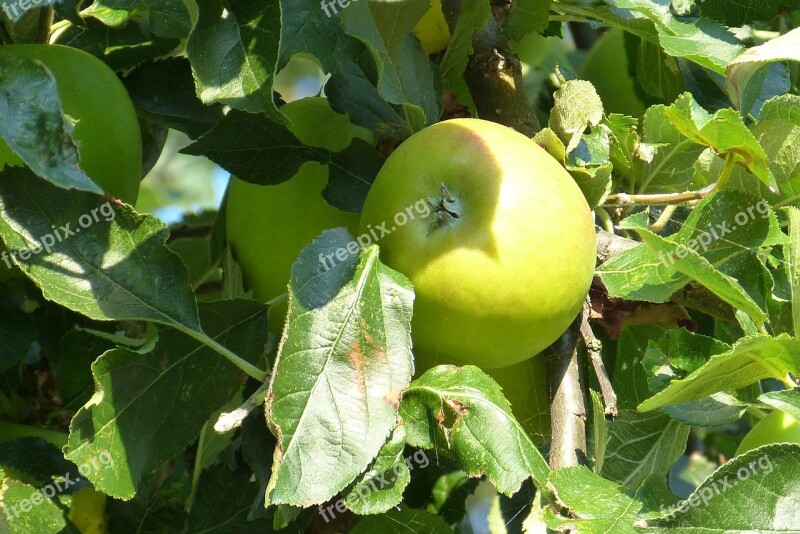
502	261
777	427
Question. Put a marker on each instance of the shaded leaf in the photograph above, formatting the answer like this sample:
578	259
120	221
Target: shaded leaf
148	407
233	50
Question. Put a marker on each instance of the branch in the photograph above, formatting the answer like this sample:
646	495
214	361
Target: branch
693	295
610	245
567	399
494	77
593	348
687	198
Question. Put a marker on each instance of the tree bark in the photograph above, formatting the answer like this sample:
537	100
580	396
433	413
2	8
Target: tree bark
565	379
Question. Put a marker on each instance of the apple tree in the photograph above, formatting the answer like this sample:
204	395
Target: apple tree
479	266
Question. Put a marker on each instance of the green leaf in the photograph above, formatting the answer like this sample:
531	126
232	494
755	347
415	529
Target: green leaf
165	90
305	29
148	407
659	74
405	76
233	49
36	461
343	364
700	40
787	401
380	488
589	165
759	74
259	151
527	16
165	18
599	434
402	522
472	17
22	516
223	501
463	410
724	131
17	333
703	271
642	445
677	353
778	132
73	372
664	158
577	106
120	48
722	227
713	411
114	268
36	128
740	12
754	492
748	361
595	505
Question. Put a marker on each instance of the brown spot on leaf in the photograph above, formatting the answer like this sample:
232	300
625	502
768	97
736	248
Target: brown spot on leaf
355	357
393	399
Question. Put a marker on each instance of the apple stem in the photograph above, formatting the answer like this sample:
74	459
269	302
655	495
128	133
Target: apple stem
446	209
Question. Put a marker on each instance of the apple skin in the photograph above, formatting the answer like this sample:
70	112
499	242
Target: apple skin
525	387
777	427
505	279
606	66
432	30
107	132
268	226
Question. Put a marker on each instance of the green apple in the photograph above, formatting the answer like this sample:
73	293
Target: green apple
606	66
87	511
268	226
777	427
503	262
525	387
432	30
106	129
